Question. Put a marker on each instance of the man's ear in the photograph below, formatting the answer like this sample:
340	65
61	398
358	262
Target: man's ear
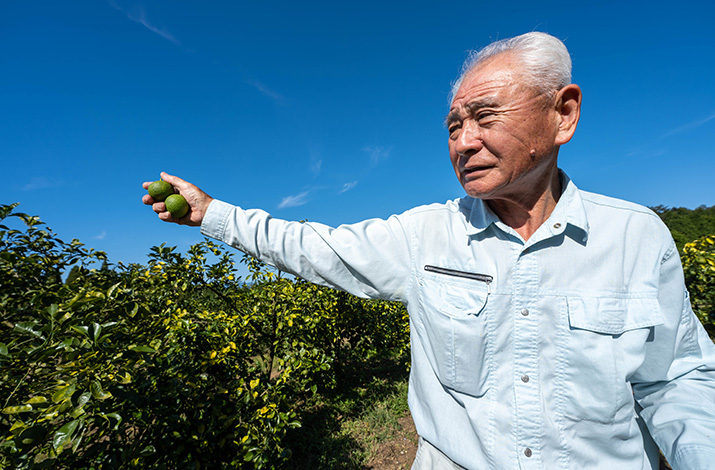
568	109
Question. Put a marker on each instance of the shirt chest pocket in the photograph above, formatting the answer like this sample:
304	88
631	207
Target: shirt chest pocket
453	327
604	346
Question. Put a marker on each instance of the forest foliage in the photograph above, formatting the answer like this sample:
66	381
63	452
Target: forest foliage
687	225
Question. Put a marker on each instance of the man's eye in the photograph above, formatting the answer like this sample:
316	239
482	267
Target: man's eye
484	115
453	128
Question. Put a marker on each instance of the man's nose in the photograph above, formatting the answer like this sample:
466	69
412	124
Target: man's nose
470	138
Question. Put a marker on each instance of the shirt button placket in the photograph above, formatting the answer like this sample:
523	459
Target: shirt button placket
528	407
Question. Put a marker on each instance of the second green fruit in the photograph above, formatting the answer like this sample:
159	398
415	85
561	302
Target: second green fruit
177	205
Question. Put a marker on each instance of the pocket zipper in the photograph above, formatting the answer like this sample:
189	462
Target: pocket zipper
465	274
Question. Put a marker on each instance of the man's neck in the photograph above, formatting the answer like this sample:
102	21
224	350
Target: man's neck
525	215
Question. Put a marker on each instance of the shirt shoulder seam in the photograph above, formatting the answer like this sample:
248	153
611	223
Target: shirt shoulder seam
615	203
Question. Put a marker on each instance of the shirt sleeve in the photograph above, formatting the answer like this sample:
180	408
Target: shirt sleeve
676	383
370	259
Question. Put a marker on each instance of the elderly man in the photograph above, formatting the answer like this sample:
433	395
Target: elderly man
550	327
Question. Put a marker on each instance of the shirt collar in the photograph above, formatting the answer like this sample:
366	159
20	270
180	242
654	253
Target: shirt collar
568	211
571	207
481	217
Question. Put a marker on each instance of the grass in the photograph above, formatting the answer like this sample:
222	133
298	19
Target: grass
342	428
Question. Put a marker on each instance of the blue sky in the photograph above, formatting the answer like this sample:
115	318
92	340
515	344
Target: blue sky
325	111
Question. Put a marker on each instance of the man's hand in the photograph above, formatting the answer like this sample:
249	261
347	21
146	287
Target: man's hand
198	201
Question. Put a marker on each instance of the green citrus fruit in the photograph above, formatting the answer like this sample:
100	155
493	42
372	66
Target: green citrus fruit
177	205
160	190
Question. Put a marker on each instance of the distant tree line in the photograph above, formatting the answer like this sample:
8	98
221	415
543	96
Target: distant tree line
687	225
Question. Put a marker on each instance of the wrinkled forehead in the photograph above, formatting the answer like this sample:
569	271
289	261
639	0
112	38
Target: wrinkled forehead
497	75
498	82
484	85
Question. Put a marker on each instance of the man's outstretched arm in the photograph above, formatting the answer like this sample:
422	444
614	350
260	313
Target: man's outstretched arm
368	259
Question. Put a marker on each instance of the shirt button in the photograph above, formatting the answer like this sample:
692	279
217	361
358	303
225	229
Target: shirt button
525	311
557	225
524	378
527	452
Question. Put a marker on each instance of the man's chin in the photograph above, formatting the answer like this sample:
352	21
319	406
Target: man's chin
477	191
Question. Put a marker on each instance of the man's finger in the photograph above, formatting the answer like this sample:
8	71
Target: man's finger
159	207
175	181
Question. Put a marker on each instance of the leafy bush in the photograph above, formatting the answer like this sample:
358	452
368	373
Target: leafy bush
699	267
175	364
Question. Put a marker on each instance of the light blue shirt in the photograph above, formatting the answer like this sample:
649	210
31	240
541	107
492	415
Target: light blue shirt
525	354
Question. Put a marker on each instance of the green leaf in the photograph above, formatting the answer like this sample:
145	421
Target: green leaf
64	435
84	398
76	443
110	291
64	393
95	331
54	311
81	329
29	328
142	349
36	400
135	309
115	416
3	350
147	451
97	392
12	410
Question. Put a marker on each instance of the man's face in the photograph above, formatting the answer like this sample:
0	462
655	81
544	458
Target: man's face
501	133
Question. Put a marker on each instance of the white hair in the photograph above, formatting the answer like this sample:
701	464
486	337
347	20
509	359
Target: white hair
544	58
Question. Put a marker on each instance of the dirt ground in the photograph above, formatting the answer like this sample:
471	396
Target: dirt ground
399	452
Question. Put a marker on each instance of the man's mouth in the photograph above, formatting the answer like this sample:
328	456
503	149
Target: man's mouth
476	171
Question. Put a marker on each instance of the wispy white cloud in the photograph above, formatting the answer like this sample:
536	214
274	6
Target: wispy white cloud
348	186
40	182
377	153
101	235
316	163
275	96
294	201
138	15
689	126
650	151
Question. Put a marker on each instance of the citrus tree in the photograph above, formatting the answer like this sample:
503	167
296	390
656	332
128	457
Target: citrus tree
172	364
56	352
699	267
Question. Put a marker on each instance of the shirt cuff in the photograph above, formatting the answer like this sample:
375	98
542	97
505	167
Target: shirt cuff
214	222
